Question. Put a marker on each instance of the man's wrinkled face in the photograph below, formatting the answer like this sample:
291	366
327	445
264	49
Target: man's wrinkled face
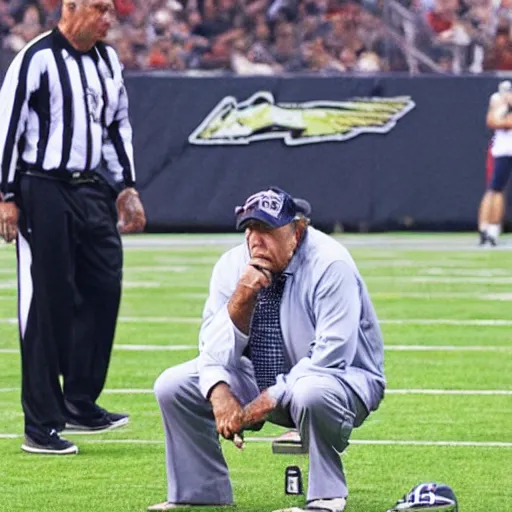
95	18
273	245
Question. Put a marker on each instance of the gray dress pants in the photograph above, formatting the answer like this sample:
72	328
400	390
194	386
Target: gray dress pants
322	408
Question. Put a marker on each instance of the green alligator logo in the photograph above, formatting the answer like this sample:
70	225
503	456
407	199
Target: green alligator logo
261	118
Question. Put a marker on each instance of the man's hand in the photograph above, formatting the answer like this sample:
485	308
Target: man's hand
130	211
227	411
258	410
254	277
9	214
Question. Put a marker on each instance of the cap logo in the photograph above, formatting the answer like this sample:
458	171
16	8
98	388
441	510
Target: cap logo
268	201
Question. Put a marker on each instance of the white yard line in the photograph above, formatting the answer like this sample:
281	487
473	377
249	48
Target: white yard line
447	280
448	348
369	442
449	321
155	348
473	272
462	392
472	444
378	442
428	242
196	241
141	284
427	268
192	260
157	269
454	242
505	296
390	348
497	296
160	320
465	392
202	296
406	321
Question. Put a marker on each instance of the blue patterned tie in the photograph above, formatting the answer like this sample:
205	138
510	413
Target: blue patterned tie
265	347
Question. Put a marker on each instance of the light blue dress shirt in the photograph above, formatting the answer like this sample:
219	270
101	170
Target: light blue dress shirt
328	322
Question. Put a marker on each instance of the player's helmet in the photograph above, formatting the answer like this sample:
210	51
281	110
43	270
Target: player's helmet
504	86
430	497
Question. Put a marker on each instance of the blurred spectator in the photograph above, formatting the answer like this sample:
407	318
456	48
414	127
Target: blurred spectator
443	15
500	55
50	12
260	51
124	8
23	32
6	20
348	59
319	60
286	47
368	62
127	54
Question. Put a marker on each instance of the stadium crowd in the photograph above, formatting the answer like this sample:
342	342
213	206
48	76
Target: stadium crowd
272	36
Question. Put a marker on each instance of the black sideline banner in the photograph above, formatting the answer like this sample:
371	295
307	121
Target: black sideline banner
368	152
375	152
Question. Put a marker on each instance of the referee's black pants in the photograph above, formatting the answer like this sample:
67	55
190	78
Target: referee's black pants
69	282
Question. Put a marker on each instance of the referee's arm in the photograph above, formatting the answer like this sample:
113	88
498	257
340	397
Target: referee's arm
22	79
117	143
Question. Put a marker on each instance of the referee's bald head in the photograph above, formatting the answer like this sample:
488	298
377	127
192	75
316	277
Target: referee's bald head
85	22
74	5
100	5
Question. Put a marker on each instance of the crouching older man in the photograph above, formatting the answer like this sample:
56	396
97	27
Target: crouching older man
290	336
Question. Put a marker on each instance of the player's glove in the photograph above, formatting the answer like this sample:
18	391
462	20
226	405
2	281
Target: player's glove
429	497
130	211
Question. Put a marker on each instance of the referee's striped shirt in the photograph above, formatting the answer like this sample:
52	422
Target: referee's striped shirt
62	109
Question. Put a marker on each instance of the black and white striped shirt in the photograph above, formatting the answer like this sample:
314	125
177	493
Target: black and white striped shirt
62	109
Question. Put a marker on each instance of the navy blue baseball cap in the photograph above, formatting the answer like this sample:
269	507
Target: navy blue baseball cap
274	207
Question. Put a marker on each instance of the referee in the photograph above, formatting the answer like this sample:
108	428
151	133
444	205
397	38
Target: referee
67	188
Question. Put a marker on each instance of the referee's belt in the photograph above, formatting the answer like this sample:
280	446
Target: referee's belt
71	177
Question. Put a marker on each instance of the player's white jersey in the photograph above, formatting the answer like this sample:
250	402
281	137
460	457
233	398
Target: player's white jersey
502	140
502	143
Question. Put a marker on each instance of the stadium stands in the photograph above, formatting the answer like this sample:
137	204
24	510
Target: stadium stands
278	36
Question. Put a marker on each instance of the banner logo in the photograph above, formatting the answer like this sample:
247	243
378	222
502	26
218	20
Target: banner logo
261	118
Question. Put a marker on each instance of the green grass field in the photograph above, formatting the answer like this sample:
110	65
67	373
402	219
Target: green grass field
446	314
